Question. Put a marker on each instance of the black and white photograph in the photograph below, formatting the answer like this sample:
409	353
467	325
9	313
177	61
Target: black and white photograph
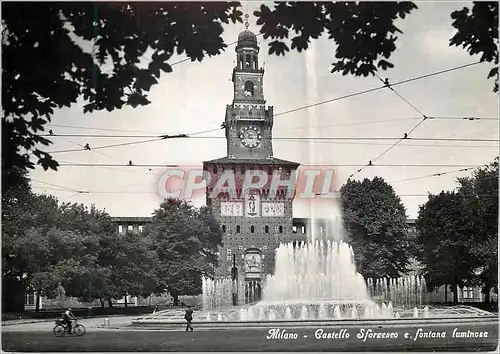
250	176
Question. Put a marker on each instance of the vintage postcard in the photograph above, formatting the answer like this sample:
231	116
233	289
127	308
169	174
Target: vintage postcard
249	176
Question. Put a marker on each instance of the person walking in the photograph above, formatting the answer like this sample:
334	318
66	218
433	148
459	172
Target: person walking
189	318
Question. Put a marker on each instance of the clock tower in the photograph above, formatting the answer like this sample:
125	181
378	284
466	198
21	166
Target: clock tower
248	122
256	221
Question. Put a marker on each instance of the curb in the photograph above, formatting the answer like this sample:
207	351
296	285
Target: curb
28	321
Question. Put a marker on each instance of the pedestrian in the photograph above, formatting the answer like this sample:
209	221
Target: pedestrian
156	309
189	318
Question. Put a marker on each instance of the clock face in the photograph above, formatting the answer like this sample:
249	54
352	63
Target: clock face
250	137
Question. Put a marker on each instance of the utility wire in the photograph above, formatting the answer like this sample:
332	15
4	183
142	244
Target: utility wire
405	145
275	138
158	138
51	189
389	86
311	105
155	193
103	129
56	185
470	118
377	88
432	175
323	165
405	136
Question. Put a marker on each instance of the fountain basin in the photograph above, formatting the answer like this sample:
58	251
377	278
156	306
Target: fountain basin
316	312
401	322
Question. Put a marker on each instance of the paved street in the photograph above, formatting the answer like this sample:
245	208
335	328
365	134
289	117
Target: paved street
38	337
47	325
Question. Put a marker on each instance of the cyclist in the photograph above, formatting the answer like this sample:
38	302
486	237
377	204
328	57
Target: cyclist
68	318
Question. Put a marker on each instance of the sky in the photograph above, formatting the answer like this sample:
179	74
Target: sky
194	96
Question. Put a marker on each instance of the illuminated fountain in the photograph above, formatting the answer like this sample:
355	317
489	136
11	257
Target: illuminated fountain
315	281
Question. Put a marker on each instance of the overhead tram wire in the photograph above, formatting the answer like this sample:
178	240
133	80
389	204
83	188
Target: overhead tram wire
97	152
153	134
149	59
377	88
155	193
310	105
439	174
56	185
157	138
306	138
303	139
405	136
328	165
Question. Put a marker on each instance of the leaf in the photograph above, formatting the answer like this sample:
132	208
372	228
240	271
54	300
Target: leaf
493	72
278	47
166	67
384	64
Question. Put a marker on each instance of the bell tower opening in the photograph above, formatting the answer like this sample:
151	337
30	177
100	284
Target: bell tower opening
249	88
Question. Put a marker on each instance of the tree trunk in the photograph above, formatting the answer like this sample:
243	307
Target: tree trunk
176	299
446	293
126	300
102	302
486	291
37	302
455	294
110	302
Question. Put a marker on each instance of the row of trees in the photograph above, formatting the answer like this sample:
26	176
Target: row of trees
456	238
47	245
458	233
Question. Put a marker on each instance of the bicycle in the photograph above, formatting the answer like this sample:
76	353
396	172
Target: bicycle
61	328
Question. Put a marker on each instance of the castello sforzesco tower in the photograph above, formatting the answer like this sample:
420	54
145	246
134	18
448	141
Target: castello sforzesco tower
257	221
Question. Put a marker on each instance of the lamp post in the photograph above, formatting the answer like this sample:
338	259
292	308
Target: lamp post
234	277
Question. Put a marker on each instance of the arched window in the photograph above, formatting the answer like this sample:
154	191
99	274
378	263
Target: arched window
248	61
237	229
266	229
249	88
252	229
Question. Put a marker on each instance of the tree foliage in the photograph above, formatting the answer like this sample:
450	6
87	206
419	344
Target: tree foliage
186	240
443	232
480	195
459	233
375	221
364	32
50	244
55	53
109	55
53	245
477	32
